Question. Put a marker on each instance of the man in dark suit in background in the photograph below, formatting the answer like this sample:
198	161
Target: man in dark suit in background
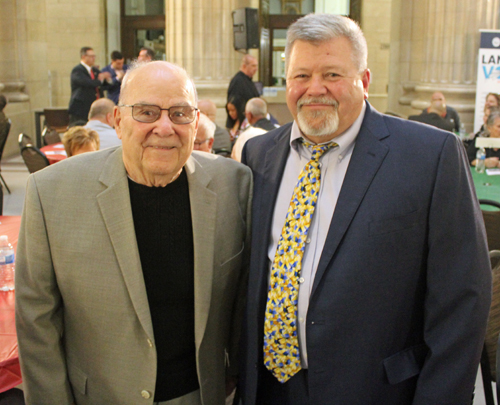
373	284
87	83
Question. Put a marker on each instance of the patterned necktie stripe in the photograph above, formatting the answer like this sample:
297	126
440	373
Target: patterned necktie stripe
281	346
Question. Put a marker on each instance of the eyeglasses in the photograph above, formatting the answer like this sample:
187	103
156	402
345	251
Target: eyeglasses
199	143
178	114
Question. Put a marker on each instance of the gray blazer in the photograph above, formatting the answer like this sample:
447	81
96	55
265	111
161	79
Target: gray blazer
82	315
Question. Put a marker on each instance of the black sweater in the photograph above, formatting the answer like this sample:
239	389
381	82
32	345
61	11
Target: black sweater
164	232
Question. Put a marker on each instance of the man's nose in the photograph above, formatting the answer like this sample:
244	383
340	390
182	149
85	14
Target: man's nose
164	126
317	85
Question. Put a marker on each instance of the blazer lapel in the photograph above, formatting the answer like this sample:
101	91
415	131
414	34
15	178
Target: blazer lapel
263	205
116	211
368	155
203	214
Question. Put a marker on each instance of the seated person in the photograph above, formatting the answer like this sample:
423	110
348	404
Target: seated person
434	115
79	140
492	100
492	130
449	114
482	132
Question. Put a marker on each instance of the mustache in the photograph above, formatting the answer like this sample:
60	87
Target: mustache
316	100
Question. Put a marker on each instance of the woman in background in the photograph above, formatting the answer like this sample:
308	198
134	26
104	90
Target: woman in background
492	129
236	121
79	140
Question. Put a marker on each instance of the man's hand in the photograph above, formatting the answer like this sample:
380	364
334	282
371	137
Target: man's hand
491	162
103	76
119	75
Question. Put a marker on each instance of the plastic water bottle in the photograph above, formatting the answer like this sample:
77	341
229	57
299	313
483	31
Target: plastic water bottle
463	132
6	264
480	158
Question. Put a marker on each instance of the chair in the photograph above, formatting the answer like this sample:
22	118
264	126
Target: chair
3	141
50	136
34	158
492	224
489	355
24	140
57	119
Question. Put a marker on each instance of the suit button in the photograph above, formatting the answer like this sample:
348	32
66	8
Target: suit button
150	343
145	394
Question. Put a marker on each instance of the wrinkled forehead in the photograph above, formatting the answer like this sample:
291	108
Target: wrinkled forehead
166	81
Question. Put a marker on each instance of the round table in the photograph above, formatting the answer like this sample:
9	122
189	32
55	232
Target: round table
10	370
55	152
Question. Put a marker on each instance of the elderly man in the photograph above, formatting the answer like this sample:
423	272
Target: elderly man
101	120
369	279
146	55
205	134
222	140
87	83
450	114
131	260
117	70
255	112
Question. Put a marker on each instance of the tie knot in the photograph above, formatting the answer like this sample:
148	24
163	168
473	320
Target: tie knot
318	150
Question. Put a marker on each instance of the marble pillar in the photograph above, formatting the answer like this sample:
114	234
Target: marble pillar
434	46
199	37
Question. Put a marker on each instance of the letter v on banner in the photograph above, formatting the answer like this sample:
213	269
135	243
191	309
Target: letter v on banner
488	72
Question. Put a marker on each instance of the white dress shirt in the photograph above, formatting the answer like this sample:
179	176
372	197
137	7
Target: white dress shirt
333	166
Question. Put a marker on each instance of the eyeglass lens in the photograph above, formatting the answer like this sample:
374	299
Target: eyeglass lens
151	113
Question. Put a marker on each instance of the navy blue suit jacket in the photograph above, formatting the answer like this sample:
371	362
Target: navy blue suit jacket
400	300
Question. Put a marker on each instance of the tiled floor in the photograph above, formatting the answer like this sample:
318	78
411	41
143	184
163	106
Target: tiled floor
15	174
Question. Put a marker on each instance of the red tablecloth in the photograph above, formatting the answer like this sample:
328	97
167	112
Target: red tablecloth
55	152
10	371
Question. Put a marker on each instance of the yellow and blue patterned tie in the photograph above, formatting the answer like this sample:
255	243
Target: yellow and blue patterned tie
281	344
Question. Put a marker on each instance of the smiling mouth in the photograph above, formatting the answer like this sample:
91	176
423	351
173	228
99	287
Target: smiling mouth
162	147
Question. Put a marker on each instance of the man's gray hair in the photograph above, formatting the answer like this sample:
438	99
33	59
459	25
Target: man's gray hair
136	65
494	114
318	28
257	107
207	126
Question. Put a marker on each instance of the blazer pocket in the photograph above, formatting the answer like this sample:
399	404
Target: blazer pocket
391	225
405	364
78	379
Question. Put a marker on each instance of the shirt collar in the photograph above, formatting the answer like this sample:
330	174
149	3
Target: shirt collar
86	66
345	140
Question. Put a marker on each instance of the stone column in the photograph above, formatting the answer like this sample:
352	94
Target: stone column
436	45
199	37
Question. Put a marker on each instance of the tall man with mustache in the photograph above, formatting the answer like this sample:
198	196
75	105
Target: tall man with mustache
369	277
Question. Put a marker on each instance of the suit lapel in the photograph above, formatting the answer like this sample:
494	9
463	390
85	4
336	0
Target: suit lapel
114	203
203	213
367	156
274	166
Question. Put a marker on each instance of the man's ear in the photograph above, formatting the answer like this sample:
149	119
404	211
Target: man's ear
117	118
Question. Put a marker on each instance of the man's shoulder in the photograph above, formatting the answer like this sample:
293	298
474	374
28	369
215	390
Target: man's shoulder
77	169
107	68
218	166
78	68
